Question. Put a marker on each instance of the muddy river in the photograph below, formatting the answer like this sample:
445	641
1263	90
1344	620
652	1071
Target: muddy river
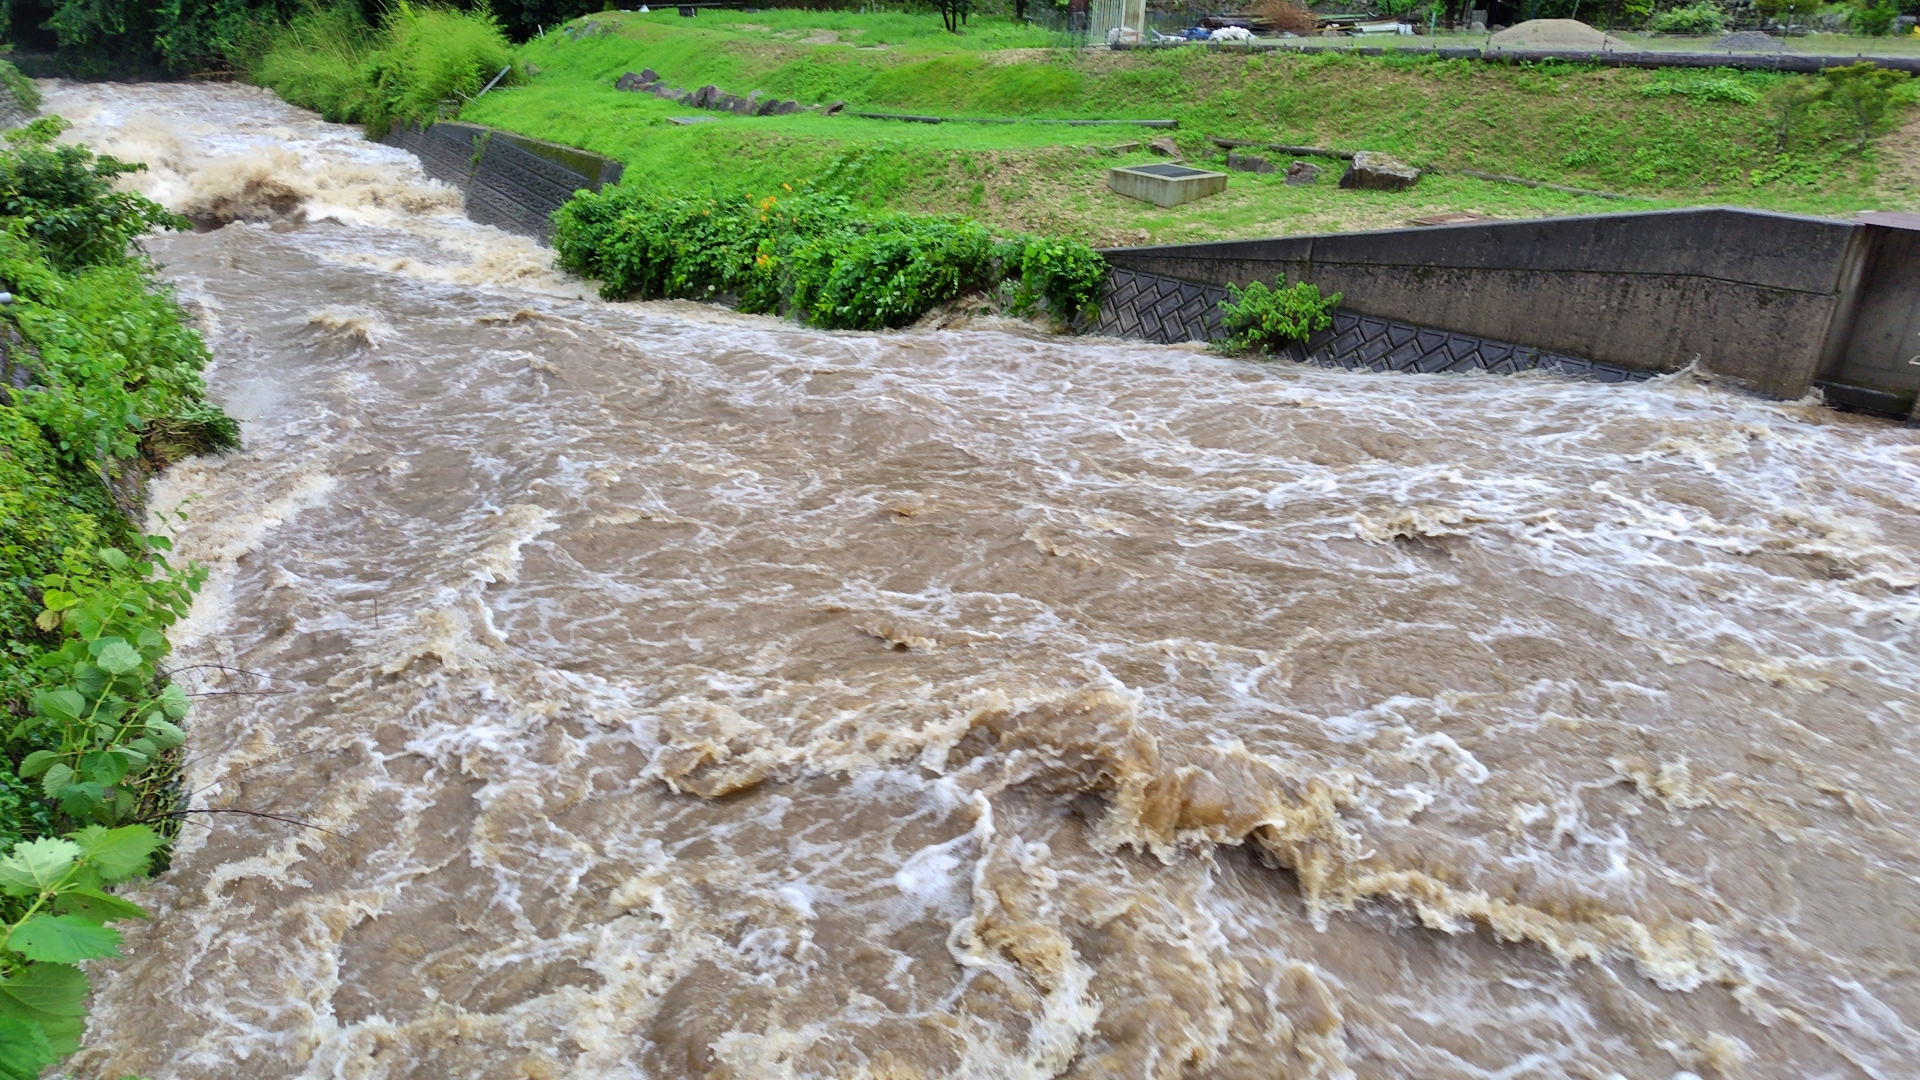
659	692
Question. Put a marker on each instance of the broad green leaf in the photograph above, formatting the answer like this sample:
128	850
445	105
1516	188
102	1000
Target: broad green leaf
115	558
103	767
52	996
144	747
83	798
56	779
34	866
135	759
95	906
56	600
24	1050
63	939
174	700
119	853
59	704
119	658
155	540
36	763
164	733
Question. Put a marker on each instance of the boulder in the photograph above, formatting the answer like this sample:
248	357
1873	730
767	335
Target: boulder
649	75
629	81
1301	172
706	96
1250	163
786	108
1164	146
1379	172
834	109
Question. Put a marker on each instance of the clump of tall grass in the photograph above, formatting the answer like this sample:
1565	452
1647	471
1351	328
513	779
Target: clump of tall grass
330	60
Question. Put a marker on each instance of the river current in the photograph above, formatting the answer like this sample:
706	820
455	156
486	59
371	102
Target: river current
662	692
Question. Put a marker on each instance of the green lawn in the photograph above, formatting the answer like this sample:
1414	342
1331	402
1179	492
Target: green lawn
1665	137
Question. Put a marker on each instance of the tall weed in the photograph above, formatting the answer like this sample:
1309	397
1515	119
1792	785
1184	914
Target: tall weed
330	60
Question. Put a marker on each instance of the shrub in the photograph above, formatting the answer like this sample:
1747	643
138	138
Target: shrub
64	196
1864	93
1695	18
21	87
814	256
331	61
1873	20
1262	319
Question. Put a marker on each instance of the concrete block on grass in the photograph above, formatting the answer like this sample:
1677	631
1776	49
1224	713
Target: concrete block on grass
1166	185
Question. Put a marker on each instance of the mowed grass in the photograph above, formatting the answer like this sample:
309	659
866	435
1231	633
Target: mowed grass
1664	138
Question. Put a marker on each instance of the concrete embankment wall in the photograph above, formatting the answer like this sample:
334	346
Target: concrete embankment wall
1807	63
1775	301
511	182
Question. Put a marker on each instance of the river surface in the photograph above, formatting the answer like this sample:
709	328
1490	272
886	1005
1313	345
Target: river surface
666	693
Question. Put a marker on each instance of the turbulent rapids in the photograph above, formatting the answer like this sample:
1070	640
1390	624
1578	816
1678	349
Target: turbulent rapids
672	693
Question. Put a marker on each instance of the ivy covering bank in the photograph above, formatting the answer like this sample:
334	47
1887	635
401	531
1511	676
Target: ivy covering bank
815	256
102	382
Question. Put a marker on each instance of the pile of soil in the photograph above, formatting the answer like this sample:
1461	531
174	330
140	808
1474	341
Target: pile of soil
1569	35
1748	41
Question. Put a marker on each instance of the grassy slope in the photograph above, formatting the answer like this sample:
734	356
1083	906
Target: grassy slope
1595	128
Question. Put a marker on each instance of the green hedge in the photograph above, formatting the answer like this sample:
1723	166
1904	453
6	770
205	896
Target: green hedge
814	256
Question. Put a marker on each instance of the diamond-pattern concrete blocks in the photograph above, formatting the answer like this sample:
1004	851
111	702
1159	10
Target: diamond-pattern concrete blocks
1150	307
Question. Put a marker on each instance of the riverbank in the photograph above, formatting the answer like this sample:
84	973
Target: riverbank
100	388
1664	138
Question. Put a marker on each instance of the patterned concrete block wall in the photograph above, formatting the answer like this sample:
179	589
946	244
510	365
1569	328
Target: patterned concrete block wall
508	182
1151	307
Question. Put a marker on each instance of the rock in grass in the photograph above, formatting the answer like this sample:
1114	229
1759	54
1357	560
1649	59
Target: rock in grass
834	109
1250	163
1301	172
649	75
1165	147
706	96
630	82
1371	171
786	108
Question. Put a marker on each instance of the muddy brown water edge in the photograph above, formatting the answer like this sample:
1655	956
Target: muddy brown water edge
690	694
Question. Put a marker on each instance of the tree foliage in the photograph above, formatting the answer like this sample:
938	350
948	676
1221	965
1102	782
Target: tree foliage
1864	93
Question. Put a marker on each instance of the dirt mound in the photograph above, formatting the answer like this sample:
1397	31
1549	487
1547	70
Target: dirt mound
1570	35
1749	41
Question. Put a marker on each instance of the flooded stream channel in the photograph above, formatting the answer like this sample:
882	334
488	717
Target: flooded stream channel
674	693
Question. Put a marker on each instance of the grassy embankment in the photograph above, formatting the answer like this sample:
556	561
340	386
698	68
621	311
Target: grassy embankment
1668	138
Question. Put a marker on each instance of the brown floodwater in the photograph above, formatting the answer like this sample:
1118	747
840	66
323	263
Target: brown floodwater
662	692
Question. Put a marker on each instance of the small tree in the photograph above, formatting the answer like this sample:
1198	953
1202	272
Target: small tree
1864	92
1790	101
953	14
1873	20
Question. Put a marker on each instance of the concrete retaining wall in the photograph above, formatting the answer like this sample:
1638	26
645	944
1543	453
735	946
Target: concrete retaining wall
1782	61
512	182
1770	300
1777	302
